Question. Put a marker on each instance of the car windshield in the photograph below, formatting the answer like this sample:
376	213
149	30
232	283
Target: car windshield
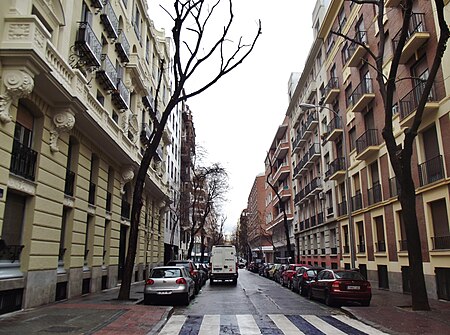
348	275
166	273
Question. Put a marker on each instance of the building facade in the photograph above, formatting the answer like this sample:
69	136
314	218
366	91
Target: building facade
357	179
77	104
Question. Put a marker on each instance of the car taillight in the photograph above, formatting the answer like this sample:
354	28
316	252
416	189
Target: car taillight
181	281
305	276
150	282
194	273
335	286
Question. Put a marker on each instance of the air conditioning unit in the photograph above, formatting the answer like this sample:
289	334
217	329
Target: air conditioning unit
321	195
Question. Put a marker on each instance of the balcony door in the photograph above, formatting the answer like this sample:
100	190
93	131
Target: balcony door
441	239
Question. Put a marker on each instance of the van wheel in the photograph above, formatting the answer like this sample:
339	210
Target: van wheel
211	282
234	281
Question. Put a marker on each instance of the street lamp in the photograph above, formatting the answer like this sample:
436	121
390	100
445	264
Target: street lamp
347	179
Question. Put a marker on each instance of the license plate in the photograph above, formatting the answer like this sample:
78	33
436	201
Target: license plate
353	287
165	292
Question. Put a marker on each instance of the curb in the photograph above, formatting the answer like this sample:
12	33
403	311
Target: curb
378	326
158	326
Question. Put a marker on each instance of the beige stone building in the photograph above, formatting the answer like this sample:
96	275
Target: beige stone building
77	97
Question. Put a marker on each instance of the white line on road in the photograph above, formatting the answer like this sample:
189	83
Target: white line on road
247	325
285	325
322	325
359	325
210	325
174	325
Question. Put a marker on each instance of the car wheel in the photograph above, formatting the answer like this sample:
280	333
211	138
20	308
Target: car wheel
301	291
186	299
211	282
366	303
328	299
310	295
147	300
234	281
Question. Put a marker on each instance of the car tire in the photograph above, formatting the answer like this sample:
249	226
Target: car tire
328	299
186	299
234	281
301	291
310	295
147	300
365	303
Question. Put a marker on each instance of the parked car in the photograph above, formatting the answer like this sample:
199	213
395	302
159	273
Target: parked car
262	271
203	273
279	272
273	269
169	282
286	276
192	270
302	278
338	286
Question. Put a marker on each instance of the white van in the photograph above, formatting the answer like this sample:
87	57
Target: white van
223	264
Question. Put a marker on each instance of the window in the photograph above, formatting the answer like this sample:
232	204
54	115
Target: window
441	239
341	20
13	219
352	138
380	245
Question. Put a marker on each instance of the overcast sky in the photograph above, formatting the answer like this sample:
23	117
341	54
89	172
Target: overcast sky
236	119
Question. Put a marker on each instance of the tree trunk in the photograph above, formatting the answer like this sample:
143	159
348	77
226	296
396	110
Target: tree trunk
417	279
202	249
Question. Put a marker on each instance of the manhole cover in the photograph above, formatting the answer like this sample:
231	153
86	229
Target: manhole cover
61	329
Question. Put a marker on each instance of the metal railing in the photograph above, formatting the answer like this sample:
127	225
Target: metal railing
416	25
110	20
357	201
367	139
374	194
334	124
332	84
441	242
364	87
408	104
380	246
342	208
23	160
88	45
403	245
361	37
430	171
337	165
10	252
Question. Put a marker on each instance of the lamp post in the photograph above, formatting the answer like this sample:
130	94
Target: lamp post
347	180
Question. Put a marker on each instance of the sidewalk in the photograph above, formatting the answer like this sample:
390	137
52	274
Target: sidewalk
393	312
98	313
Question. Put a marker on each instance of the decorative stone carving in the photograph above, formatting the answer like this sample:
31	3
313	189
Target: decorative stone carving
127	175
18	84
63	122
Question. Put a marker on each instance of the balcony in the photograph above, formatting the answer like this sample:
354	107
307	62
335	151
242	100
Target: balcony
97	4
88	46
69	185
283	171
121	96
146	133
311	122
298	142
380	246
331	91
356	51
314	152
342	208
394	187
315	186
361	96
409	103
357	201
109	20
367	144
441	242
284	192
23	161
334	129
431	171
123	47
336	169
374	194
298	197
10	252
417	36
107	74
148	102
281	150
301	166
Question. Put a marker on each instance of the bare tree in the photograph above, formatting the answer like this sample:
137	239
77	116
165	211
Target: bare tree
217	229
210	185
195	18
400	154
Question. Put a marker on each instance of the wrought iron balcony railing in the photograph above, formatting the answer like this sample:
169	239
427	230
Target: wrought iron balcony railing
409	103
374	194
357	201
364	87
109	20
441	242
107	74
88	46
123	47
23	160
432	170
10	252
368	139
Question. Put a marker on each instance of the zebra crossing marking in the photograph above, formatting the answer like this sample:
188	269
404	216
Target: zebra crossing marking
174	325
210	325
286	326
359	325
247	324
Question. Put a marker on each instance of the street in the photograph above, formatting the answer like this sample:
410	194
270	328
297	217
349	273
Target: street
258	305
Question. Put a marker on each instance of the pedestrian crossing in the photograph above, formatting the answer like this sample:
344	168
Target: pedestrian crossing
273	324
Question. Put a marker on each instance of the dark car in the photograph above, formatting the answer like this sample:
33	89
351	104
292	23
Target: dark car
192	270
301	280
339	286
286	276
203	272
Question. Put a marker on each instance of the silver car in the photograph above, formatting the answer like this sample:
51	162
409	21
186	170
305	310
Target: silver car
169	282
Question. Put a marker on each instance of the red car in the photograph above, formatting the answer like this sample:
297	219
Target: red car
338	286
286	277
